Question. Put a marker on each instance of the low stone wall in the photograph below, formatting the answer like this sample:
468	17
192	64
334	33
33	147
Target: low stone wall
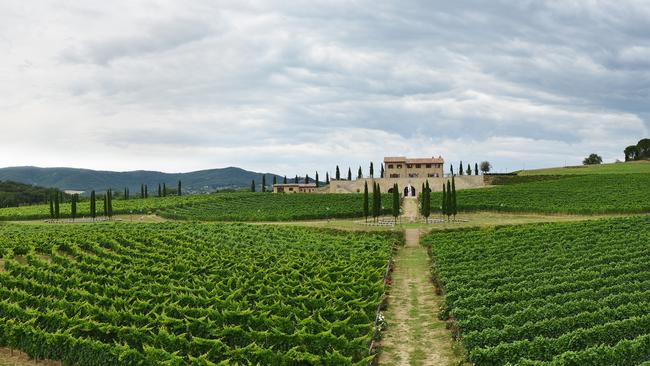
356	186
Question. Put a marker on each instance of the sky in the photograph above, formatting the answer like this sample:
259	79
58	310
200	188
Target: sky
291	87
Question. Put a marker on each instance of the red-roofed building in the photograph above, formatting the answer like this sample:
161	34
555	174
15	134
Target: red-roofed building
403	167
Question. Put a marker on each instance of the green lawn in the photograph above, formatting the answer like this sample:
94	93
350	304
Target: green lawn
614	168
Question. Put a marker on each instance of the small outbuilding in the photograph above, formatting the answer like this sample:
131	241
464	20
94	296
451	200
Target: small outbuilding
294	188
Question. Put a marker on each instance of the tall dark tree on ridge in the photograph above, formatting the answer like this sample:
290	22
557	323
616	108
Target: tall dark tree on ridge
284	180
469	169
454	203
451	169
372	170
366	206
307	178
449	202
426	202
460	168
263	182
317	182
164	191
109	202
159	190
296	179
338	173
253	185
73	206
146	191
475	168
141	190
105	206
178	189
359	173
327	178
349	174
444	200
382	171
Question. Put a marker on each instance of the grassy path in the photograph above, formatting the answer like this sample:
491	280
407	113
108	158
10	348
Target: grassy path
414	335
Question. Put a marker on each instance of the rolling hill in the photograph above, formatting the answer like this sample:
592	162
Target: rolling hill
86	179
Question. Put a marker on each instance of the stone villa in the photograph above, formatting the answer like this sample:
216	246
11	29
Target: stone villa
294	188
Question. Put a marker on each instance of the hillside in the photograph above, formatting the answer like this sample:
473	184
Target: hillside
86	179
642	166
13	194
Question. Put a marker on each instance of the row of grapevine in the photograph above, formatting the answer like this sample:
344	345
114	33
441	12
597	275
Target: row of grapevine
221	207
181	293
549	294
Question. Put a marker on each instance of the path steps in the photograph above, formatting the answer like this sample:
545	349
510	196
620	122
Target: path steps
414	335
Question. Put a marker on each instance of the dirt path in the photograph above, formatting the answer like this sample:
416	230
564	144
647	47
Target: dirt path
410	209
414	335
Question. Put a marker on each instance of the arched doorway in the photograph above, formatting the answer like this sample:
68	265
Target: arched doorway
409	191
390	190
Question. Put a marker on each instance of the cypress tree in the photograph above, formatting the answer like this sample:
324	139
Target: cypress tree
253	185
451	167
93	205
275	180
395	201
105	205
146	191
164	191
382	171
349	173
444	200
475	168
469	169
126	197
263	182
366	207
284	180
141	190
306	178
317	182
374	202
449	202
51	206
460	168
454	205
359	173
109	203
73	206
178	189
338	173
56	206
372	171
296	179
327	178
159	190
426	202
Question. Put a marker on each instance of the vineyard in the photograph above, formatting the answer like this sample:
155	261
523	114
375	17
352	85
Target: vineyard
221	207
181	293
588	194
551	294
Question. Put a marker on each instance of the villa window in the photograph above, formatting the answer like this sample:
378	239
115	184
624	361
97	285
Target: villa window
418	166
428	165
390	166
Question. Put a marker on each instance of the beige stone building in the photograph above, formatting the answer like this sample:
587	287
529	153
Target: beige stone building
294	188
409	174
402	167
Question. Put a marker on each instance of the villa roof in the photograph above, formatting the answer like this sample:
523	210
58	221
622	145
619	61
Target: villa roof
301	185
403	159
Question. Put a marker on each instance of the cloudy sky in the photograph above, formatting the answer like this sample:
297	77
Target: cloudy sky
294	86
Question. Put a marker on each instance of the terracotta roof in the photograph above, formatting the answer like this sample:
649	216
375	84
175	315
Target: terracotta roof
301	185
401	159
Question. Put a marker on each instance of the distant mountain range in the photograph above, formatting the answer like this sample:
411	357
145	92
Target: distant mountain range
73	179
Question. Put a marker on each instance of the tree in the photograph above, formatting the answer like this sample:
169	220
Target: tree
73	206
632	153
105	205
284	180
306	178
359	173
485	167
253	185
349	173
275	180
376	201
426	201
372	171
109	202
263	182
366	207
444	200
460	168
448	203
644	148
146	191
338	173
159	190
93	205
327	178
141	190
469	169
296	179
316	180
164	191
178	188
57	212
395	202
51	207
451	169
592	159
454	203
126	195
475	168
381	174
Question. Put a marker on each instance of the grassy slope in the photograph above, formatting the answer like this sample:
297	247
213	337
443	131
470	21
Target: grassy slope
615	168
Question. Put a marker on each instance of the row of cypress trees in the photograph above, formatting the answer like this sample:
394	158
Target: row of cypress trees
449	203
376	202
337	175
162	190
